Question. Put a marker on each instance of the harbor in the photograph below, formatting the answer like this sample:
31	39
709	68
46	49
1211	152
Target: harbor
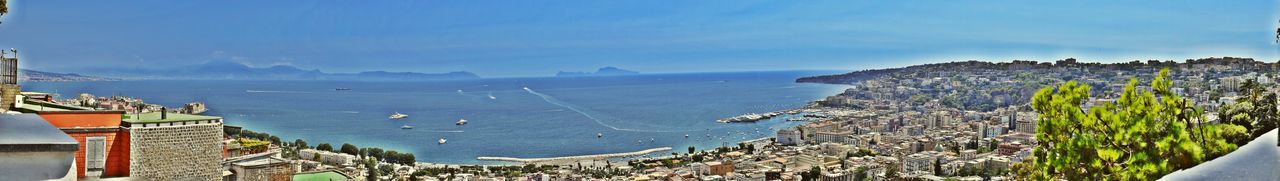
749	117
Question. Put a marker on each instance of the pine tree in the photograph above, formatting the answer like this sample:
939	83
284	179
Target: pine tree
1141	136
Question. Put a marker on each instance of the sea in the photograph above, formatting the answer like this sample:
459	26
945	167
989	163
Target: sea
506	117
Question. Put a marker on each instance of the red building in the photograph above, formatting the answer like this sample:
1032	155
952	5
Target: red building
104	145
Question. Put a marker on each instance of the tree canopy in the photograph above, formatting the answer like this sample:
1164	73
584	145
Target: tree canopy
1140	136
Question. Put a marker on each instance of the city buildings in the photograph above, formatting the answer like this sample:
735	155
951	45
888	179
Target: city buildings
170	146
328	158
789	136
267	168
720	168
104	145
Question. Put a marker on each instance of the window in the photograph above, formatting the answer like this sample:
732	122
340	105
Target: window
95	155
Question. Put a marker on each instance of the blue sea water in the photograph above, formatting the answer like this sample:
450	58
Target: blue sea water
553	117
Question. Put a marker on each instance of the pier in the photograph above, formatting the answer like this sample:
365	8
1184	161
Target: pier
574	158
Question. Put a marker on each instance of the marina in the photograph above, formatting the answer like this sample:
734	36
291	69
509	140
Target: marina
749	117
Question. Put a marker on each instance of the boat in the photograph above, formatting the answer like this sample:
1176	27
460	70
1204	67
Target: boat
397	115
491	97
406	127
442	140
599	135
461	122
686	135
342	89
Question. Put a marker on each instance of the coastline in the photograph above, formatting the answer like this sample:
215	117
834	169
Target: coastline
570	159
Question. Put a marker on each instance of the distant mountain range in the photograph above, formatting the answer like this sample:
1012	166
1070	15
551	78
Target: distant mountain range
605	71
40	76
224	70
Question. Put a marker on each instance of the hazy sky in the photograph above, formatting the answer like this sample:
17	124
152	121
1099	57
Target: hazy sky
538	38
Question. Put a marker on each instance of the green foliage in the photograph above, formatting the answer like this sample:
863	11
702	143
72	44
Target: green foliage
862	152
1253	110
371	171
350	149
299	143
386	169
813	174
1141	136
891	171
919	99
376	153
254	146
325	147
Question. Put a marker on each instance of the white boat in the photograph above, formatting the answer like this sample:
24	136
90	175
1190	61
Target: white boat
442	140
599	135
461	122
406	127
397	115
491	97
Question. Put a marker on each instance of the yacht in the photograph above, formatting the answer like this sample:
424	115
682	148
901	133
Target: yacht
442	140
397	115
406	127
599	135
461	122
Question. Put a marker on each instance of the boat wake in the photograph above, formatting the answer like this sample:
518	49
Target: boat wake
445	131
573	108
272	91
474	96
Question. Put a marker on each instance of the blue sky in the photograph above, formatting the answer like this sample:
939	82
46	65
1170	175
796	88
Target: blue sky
538	38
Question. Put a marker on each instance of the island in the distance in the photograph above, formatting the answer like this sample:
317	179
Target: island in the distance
603	71
227	70
42	76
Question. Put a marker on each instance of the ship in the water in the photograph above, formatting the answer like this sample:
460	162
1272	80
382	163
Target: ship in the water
397	115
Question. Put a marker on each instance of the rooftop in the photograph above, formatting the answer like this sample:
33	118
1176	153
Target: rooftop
320	176
263	162
154	117
30	132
